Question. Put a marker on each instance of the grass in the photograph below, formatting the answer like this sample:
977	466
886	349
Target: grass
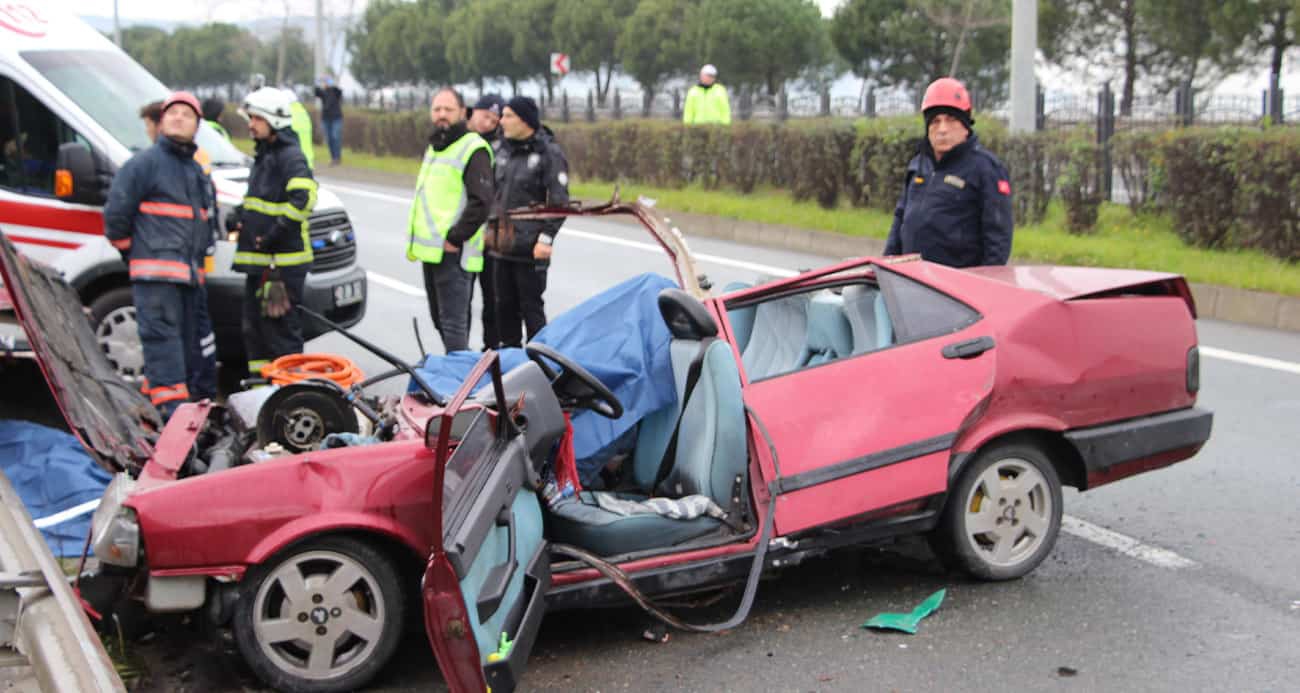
1122	239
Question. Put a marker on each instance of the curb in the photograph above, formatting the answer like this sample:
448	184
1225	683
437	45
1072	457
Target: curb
1242	306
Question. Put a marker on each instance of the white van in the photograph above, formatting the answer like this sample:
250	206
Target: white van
69	118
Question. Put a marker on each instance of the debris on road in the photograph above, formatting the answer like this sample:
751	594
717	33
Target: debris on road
1066	672
907	622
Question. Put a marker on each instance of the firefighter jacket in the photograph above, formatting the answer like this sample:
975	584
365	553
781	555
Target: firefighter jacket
161	213
955	211
453	194
276	208
528	172
707	105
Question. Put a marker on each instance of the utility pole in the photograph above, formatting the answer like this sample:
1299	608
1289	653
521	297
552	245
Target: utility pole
117	27
319	57
1024	43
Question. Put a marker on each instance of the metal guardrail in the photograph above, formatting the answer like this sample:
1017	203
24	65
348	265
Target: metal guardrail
42	625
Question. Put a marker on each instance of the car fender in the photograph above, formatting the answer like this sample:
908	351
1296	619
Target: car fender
332	522
94	260
972	440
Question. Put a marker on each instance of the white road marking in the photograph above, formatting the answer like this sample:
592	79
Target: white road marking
395	285
65	515
1126	545
1251	360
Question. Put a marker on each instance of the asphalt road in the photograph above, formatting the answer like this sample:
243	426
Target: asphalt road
1186	578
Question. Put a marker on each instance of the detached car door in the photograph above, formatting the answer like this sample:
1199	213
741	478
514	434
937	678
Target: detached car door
862	388
488	572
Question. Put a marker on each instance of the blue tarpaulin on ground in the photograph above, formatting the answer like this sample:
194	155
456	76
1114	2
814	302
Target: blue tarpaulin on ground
619	336
52	473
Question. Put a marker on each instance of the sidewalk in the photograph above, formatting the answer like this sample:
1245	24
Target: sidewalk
1257	308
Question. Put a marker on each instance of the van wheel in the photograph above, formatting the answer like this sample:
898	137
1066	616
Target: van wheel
323	616
1003	515
112	316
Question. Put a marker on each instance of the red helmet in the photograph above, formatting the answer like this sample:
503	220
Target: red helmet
946	91
186	98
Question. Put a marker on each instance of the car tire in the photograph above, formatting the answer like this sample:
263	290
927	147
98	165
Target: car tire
112	317
1002	516
284	643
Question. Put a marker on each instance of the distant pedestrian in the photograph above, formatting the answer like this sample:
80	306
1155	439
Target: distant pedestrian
161	215
955	208
530	170
331	116
485	119
707	103
453	195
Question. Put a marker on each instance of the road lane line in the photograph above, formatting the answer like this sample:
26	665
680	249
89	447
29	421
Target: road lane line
395	285
1208	351
1126	545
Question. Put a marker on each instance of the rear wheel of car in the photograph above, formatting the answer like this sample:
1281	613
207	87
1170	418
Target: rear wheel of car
1002	516
320	617
112	316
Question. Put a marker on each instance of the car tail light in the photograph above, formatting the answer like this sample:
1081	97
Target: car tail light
1193	370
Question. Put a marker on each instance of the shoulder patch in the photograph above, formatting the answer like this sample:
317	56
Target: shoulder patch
1004	187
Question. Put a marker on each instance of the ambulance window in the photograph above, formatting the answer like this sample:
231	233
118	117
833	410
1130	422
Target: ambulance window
30	136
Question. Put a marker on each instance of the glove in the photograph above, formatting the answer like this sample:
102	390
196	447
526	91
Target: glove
232	219
274	295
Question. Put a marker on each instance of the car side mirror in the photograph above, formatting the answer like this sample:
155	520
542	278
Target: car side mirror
77	177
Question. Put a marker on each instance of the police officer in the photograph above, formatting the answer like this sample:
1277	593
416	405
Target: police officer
160	214
453	195
956	203
531	169
707	102
485	119
274	248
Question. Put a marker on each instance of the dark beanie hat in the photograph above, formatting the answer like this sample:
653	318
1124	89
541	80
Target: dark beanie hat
963	117
526	109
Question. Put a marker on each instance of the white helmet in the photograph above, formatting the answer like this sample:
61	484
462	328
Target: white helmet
271	104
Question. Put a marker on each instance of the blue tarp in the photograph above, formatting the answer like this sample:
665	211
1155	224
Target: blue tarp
52	473
619	336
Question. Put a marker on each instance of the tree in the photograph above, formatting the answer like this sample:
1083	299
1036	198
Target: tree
532	42
892	43
1279	24
965	18
147	45
756	42
651	46
478	49
289	57
1197	42
373	43
422	36
588	31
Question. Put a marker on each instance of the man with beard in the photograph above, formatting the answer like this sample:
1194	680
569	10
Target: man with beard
453	194
160	215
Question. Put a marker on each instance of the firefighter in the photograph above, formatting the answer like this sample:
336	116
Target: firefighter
955	208
274	248
453	194
161	214
707	102
531	169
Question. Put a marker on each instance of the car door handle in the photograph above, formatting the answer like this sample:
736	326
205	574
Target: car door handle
968	349
494	587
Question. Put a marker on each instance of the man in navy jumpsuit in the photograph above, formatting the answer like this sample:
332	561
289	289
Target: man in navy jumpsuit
161	215
956	203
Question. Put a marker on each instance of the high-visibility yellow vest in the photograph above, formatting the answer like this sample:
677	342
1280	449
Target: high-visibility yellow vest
440	199
301	124
707	106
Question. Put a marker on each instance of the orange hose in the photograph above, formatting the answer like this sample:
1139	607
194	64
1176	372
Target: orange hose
295	368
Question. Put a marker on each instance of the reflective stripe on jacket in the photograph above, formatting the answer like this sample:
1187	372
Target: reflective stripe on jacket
440	200
277	207
160	213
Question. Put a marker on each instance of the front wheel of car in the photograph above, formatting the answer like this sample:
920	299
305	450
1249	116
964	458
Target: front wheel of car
112	316
1003	514
320	617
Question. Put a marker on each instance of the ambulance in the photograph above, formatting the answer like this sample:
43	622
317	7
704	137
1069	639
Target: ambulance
69	118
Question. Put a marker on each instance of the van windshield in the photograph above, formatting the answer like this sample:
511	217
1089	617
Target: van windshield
111	87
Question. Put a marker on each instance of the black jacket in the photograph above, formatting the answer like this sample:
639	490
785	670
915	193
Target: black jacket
276	164
478	185
331	102
161	212
531	171
956	211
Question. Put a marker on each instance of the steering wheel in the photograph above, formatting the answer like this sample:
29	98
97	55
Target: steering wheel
575	387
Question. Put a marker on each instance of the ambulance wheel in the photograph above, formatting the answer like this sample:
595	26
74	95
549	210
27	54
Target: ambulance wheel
112	317
323	616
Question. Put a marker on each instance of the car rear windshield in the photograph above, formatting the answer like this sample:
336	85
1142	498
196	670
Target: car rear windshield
111	87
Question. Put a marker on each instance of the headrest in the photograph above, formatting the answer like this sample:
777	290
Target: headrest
685	316
828	327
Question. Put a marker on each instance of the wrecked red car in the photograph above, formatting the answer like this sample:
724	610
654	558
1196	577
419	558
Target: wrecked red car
847	405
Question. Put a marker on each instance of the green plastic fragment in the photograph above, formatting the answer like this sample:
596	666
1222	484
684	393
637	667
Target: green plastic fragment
907	622
504	647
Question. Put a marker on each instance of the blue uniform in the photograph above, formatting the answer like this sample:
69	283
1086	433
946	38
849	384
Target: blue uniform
956	211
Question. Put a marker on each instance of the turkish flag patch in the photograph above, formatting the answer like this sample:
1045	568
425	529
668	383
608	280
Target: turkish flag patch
1004	187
